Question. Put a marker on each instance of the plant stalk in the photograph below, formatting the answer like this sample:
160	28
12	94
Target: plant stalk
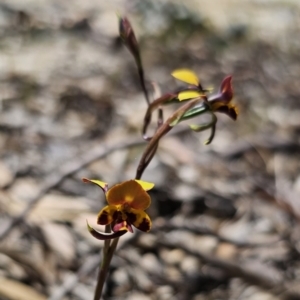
104	266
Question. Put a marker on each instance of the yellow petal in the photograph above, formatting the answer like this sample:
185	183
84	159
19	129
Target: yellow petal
145	185
101	184
129	192
187	76
186	95
139	219
106	215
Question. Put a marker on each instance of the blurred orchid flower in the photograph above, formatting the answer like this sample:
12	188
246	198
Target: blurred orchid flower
220	102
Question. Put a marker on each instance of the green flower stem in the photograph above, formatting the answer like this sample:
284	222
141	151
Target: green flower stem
106	260
107	242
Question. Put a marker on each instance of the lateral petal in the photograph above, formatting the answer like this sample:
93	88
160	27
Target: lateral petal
101	184
145	185
186	75
139	219
187	95
107	215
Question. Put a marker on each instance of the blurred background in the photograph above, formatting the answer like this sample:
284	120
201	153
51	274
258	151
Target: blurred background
225	216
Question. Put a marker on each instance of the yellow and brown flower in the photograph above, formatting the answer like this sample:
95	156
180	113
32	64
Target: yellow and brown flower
126	204
220	102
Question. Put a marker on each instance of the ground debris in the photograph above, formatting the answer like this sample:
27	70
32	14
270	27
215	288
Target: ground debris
225	216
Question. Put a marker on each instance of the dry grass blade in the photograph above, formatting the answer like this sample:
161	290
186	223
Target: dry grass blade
14	290
31	267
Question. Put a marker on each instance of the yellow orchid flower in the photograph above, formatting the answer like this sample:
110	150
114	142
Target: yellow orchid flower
126	204
220	102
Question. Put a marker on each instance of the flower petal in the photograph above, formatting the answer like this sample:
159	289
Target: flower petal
211	124
104	236
129	192
229	110
122	226
186	75
101	184
139	219
186	95
145	185
226	89
107	215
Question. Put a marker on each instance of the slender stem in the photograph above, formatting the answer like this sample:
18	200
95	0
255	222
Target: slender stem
162	129
103	270
107	242
100	282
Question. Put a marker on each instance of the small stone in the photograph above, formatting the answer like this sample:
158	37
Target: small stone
172	257
138	296
6	175
147	240
165	292
296	186
190	264
172	274
226	251
150	263
24	189
121	277
188	174
238	231
252	293
206	244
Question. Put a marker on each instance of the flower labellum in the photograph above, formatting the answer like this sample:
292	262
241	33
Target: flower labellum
221	102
